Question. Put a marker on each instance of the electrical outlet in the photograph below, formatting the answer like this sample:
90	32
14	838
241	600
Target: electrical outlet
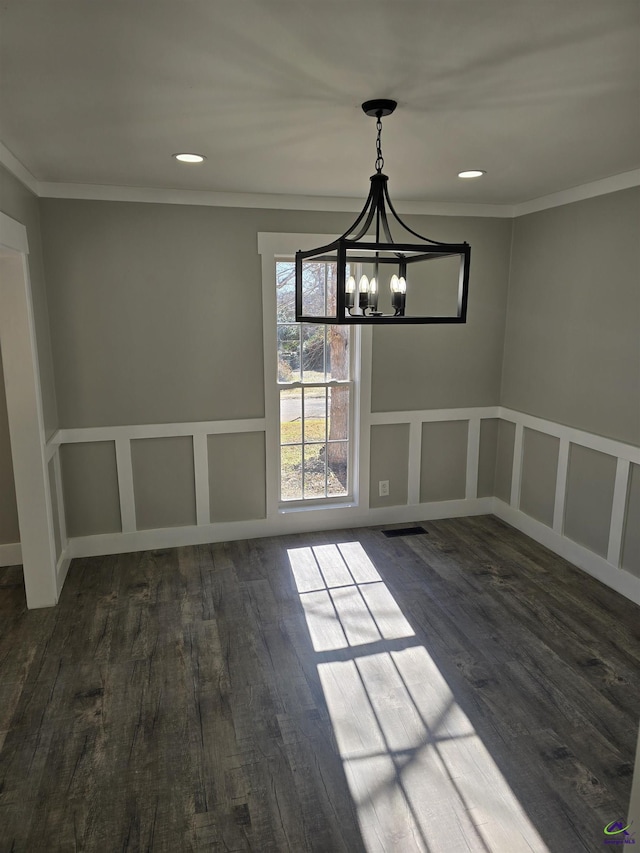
383	488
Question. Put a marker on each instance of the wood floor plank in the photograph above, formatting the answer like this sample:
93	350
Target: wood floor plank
463	690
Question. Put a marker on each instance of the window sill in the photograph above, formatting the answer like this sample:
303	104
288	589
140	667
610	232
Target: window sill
286	510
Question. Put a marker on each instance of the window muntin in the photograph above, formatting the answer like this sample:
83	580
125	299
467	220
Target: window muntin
315	389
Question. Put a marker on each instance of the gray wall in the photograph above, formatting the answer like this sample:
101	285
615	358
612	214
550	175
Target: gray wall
156	314
572	345
449	366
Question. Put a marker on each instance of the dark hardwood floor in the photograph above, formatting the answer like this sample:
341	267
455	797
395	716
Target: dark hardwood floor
464	690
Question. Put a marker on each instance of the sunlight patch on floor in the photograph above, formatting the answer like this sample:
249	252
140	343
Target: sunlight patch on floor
421	778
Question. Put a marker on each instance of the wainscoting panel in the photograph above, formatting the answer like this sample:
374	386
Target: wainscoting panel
504	460
164	482
443	466
91	508
589	499
487	457
499	461
631	537
236	476
390	461
539	475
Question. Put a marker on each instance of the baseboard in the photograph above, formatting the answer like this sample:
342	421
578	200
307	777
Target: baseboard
618	579
287	521
11	554
306	521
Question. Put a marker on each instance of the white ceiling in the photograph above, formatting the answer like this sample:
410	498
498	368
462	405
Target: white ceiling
543	95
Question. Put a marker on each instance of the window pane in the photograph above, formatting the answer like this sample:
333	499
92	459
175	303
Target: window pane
331	287
286	291
291	416
337	352
315	414
288	352
314	421
337	456
339	413
314	471
313	352
291	473
314	288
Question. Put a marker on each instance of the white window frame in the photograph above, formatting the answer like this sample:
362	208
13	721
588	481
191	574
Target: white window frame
274	247
328	385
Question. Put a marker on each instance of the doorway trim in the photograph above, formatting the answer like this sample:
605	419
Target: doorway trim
26	423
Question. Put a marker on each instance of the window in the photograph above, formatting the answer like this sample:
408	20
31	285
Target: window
315	389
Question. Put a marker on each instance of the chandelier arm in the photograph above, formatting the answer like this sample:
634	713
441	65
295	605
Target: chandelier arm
365	210
366	225
384	220
370	209
405	226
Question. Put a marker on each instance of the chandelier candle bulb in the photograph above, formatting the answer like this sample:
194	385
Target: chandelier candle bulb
349	292
363	289
373	294
398	294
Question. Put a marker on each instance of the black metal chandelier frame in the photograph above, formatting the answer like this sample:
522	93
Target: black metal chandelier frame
354	248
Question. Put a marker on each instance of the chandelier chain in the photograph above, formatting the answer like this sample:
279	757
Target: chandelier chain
379	157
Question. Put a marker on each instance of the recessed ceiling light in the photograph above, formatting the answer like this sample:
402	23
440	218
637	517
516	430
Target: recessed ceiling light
472	173
189	158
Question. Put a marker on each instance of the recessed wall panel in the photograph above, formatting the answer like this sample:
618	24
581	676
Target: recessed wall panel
487	457
237	485
90	488
55	511
163	482
590	482
389	461
631	539
443	470
539	473
504	460
9	530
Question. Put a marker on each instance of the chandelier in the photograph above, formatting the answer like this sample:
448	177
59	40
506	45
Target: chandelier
374	278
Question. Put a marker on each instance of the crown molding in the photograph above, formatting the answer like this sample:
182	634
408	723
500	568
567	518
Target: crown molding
13	165
623	181
332	204
265	201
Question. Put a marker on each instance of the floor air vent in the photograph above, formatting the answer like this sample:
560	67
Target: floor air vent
404	531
